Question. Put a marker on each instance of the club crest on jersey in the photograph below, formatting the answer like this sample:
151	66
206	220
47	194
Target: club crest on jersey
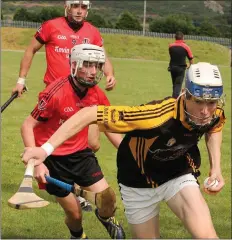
42	105
86	40
171	142
74	41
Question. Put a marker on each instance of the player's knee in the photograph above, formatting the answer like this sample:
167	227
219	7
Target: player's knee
73	215
106	202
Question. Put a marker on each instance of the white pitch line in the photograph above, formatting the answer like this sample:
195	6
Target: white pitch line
125	59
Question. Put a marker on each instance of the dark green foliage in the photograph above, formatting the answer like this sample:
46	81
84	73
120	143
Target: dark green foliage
97	20
127	21
45	14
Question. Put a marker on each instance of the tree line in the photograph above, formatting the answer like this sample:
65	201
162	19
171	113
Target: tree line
128	21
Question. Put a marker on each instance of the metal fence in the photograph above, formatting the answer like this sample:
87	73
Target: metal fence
222	41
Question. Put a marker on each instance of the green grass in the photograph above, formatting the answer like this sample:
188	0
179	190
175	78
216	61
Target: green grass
125	46
138	82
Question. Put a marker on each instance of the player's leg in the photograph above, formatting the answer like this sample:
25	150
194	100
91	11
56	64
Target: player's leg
59	168
73	219
142	210
94	181
146	230
178	80
94	144
186	201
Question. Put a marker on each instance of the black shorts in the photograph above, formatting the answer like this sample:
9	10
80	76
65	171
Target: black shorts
80	167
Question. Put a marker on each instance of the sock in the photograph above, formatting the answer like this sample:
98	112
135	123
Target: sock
76	234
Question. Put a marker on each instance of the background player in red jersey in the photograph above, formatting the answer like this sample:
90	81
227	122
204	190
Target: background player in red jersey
73	161
59	35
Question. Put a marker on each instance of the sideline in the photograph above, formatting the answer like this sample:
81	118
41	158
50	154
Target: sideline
125	59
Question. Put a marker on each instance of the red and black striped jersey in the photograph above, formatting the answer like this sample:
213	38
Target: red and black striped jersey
178	52
159	145
57	103
59	38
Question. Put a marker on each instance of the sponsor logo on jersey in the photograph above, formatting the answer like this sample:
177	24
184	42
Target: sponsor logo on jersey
61	50
68	109
74	36
61	121
62	37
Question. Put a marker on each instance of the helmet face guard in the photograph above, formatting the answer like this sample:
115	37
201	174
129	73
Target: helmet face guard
68	5
203	83
85	57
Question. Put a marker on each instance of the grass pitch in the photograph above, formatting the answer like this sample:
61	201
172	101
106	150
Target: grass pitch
139	82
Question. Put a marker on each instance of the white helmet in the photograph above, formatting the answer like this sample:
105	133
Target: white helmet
91	54
87	3
204	81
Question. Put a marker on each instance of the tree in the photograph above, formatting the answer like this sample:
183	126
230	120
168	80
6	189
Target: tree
1	15
207	29
172	24
22	15
97	20
49	13
157	25
128	21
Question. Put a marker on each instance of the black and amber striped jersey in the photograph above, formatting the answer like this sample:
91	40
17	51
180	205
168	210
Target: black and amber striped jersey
159	144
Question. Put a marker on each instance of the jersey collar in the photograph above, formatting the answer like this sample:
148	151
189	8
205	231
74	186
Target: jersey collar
80	94
74	27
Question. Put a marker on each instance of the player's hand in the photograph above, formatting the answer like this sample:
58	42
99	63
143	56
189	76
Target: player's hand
37	153
215	189
110	82
39	173
20	88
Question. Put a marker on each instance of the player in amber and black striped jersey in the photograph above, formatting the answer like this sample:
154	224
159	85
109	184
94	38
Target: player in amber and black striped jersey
159	160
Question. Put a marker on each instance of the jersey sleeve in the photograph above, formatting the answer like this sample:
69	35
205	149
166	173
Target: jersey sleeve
189	52
43	33
103	100
124	119
219	126
98	40
44	109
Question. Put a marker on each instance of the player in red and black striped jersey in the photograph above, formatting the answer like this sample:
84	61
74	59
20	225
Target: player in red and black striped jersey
178	52
73	162
158	159
58	36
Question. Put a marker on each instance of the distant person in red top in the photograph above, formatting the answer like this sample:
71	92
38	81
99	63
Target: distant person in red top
59	35
178	52
73	162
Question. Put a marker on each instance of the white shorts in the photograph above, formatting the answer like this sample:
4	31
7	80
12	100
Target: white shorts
142	204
